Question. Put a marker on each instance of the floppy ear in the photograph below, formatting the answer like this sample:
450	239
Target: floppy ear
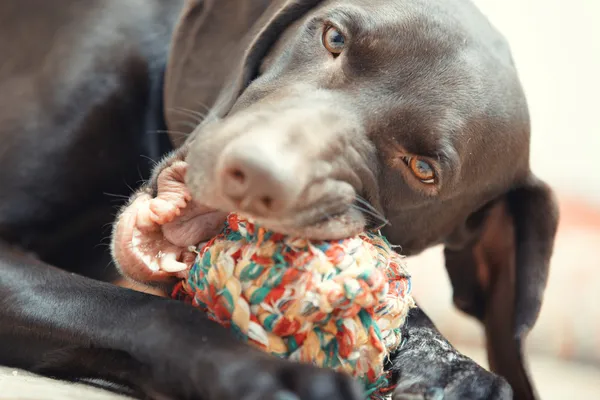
499	274
217	49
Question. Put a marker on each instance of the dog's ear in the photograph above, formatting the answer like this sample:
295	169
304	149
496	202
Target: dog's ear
499	273
217	49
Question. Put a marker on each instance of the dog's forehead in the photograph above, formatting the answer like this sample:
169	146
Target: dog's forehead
405	62
386	18
419	74
423	85
396	43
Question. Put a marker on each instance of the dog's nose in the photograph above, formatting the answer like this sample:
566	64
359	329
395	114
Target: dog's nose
257	180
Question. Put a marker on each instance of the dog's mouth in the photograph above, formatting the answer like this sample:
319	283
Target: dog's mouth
155	238
150	244
319	223
147	250
332	226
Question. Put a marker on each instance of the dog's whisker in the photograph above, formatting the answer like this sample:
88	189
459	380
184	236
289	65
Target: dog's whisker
129	187
107	226
370	210
377	216
189	124
172	132
366	203
103	244
198	116
201	104
119	196
370	221
152	161
140	175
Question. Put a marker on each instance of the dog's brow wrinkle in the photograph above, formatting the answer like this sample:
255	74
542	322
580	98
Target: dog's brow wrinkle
351	18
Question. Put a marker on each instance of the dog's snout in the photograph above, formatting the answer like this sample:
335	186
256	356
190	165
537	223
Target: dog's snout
256	180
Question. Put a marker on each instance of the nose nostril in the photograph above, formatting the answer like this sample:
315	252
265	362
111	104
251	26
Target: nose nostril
237	175
267	202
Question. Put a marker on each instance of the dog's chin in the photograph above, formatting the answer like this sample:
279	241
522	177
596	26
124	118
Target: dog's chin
347	223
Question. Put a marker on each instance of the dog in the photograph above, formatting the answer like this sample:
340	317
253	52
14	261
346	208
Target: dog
358	113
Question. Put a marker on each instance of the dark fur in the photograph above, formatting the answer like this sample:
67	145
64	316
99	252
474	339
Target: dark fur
82	97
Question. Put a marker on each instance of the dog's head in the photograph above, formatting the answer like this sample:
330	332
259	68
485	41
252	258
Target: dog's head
343	114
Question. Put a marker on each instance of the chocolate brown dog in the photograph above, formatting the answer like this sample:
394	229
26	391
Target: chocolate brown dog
339	114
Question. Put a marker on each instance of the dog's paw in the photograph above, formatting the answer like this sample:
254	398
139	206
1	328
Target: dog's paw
464	381
242	373
185	356
279	380
429	368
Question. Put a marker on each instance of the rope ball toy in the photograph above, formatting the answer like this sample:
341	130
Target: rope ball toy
335	304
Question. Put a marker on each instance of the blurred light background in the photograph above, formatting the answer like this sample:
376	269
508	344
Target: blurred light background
556	45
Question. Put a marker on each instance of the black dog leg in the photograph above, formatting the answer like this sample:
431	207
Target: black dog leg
428	367
60	324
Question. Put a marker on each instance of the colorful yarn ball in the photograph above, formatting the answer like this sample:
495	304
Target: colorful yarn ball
335	304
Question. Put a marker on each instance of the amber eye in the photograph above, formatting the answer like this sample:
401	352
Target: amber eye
333	40
422	169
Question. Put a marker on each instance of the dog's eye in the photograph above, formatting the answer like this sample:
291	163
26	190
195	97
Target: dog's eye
421	169
333	40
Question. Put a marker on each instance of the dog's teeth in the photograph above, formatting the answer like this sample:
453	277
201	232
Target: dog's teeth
151	263
169	263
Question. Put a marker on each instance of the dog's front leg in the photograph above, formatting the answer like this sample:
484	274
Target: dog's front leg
428	367
63	325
